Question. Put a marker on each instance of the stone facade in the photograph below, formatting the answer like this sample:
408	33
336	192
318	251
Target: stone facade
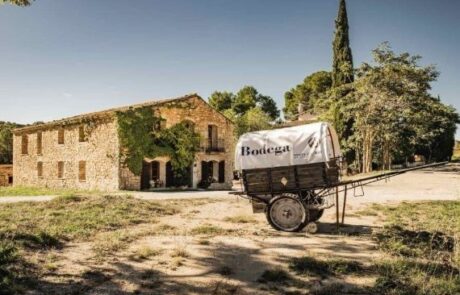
64	160
100	153
6	175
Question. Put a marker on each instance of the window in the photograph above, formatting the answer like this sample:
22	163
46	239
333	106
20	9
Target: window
60	169
25	144
160	125
212	137
10	179
40	169
82	134
82	171
39	143
61	136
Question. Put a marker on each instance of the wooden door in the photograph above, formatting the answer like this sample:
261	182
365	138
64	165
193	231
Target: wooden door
221	171
145	178
155	170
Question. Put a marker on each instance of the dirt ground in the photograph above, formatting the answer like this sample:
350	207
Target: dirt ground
217	246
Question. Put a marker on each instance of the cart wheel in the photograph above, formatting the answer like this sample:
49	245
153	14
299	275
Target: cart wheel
315	214
286	213
311	228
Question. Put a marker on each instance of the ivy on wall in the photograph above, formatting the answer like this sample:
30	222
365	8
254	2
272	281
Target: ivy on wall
141	137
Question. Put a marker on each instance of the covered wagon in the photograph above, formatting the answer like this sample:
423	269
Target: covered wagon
284	170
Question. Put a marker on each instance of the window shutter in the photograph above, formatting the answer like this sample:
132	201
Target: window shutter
81	134
82	171
39	143
60	169
24	144
61	136
40	169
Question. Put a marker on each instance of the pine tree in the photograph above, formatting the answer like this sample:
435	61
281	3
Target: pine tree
342	67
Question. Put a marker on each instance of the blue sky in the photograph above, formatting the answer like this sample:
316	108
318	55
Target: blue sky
65	57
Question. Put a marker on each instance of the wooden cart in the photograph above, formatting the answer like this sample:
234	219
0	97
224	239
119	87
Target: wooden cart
295	197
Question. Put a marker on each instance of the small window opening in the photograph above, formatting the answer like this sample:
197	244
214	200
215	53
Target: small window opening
40	169
25	144
82	171
60	169
61	136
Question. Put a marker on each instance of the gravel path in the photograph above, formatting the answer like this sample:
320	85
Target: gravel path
441	183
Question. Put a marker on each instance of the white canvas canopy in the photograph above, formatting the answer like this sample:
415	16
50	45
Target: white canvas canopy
299	145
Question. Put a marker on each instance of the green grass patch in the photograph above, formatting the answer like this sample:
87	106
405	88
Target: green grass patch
310	266
14	191
423	242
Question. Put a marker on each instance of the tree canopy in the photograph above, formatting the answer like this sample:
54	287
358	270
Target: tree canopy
307	93
249	109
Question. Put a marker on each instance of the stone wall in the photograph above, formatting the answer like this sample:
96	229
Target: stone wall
100	152
6	175
201	115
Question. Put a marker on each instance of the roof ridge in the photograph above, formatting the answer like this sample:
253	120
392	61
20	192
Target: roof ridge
106	112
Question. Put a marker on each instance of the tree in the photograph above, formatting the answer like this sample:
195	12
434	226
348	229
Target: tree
248	97
6	142
253	120
342	66
18	2
221	101
393	112
249	109
307	93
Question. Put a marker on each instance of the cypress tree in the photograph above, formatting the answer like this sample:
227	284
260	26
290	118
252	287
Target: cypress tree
342	66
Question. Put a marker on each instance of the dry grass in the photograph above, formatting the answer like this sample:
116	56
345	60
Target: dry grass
180	251
144	252
241	219
26	227
210	230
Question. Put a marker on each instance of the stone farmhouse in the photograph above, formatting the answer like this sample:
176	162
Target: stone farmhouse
83	152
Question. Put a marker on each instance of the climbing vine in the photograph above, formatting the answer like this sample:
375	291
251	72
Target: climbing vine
141	137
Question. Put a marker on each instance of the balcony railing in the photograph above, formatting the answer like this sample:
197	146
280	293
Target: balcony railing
213	146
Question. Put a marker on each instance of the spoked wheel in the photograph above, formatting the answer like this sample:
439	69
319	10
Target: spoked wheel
287	213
